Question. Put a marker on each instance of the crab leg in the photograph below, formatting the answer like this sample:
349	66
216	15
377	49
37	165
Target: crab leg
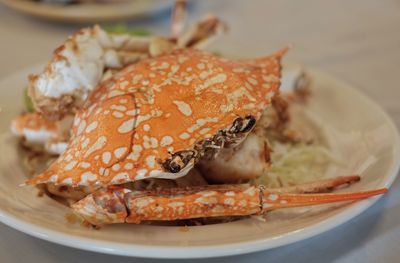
310	193
178	18
321	186
193	202
118	205
272	200
202	33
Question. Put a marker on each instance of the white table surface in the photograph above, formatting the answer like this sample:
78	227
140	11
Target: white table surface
357	41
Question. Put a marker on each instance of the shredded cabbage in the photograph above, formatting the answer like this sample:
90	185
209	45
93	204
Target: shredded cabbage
295	163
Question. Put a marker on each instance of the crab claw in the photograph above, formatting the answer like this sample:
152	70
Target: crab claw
119	205
272	200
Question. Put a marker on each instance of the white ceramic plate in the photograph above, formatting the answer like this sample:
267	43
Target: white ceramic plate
85	13
358	130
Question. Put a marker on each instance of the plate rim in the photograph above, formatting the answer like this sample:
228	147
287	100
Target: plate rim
197	251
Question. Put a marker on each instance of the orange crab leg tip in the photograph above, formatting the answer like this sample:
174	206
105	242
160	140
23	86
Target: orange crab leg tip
286	49
281	52
272	201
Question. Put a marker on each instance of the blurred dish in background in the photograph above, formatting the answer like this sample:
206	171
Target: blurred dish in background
77	1
81	11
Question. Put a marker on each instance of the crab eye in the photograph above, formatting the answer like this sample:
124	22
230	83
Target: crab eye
241	125
175	165
248	123
179	160
237	124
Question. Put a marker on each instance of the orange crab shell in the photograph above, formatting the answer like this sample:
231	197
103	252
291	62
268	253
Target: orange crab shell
133	122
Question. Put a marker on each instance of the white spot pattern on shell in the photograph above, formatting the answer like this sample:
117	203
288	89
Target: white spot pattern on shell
183	107
81	127
150	142
151	161
229	201
118	114
70	165
128	166
101	141
140	174
91	127
84	165
184	136
250	191
273	197
86	177
230	193
85	142
219	78
143	202
106	157
166	140
118	107
204	131
119	177
116	167
176	204
53	178
120	152
67	181
243	203
126	126
135	154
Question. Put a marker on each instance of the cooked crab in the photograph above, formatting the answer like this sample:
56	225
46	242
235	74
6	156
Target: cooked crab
157	119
